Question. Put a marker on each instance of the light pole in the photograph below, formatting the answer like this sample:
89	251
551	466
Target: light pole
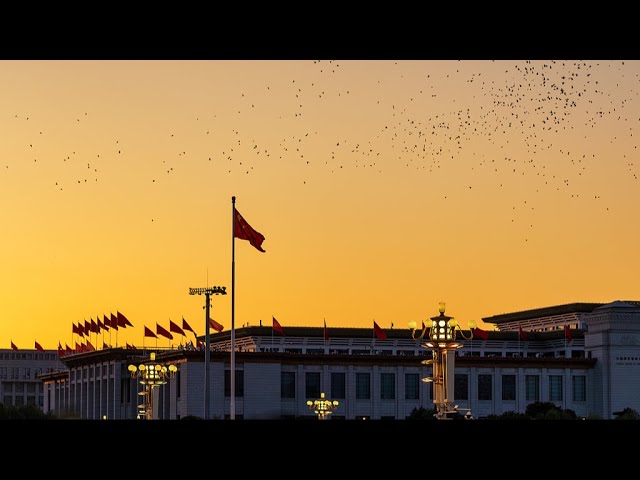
442	343
151	375
322	407
208	291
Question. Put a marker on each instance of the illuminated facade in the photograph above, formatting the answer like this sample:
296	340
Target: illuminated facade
594	373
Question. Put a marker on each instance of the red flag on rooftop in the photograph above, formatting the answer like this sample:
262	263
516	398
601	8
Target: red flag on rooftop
13	346
242	230
94	327
125	321
160	330
149	333
186	326
89	347
74	328
326	332
567	333
380	333
107	322
522	335
215	325
114	322
60	350
174	327
67	349
87	328
38	346
80	329
478	332
277	327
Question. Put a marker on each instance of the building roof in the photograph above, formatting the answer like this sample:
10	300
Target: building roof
543	312
396	333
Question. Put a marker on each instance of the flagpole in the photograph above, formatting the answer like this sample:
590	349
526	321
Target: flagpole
232	374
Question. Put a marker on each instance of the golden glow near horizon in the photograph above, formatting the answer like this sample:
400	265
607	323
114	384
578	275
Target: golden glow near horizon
382	188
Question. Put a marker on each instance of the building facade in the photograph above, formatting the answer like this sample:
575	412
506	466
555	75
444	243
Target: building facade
20	372
595	372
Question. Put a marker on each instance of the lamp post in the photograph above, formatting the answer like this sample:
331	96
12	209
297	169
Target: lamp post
208	291
322	407
151	375
442	343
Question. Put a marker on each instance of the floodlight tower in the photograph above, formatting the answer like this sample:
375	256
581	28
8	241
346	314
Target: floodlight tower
207	291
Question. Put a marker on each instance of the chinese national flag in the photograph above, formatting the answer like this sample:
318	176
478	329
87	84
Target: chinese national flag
60	350
38	346
74	328
114	322
242	230
478	332
67	349
522	335
89	347
381	334
94	327
215	325
277	327
567	333
174	327
186	326
160	330
107	322
326	332
87	328
149	333
13	346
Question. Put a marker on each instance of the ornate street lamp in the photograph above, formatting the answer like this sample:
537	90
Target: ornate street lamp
151	375
322	407
443	344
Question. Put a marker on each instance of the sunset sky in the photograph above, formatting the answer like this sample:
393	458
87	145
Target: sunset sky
382	188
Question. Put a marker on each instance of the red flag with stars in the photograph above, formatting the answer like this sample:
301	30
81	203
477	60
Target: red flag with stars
244	231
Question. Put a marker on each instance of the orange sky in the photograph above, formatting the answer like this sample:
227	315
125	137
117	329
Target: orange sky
381	187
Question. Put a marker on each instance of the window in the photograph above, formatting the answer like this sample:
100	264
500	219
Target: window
532	383
461	386
579	388
338	384
363	386
411	386
312	385
485	387
239	383
288	385
178	384
31	388
387	386
508	387
125	390
8	400
555	388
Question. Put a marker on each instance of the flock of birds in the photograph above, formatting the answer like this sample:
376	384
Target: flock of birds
505	125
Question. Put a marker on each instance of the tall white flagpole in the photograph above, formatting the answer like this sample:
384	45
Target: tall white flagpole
232	373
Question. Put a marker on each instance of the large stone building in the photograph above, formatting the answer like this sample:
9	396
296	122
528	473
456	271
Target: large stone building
596	372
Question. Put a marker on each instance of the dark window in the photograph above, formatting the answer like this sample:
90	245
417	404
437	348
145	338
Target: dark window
532	383
579	388
338	384
508	387
461	386
312	387
555	388
387	386
178	384
485	387
125	390
363	386
288	384
411	386
239	383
